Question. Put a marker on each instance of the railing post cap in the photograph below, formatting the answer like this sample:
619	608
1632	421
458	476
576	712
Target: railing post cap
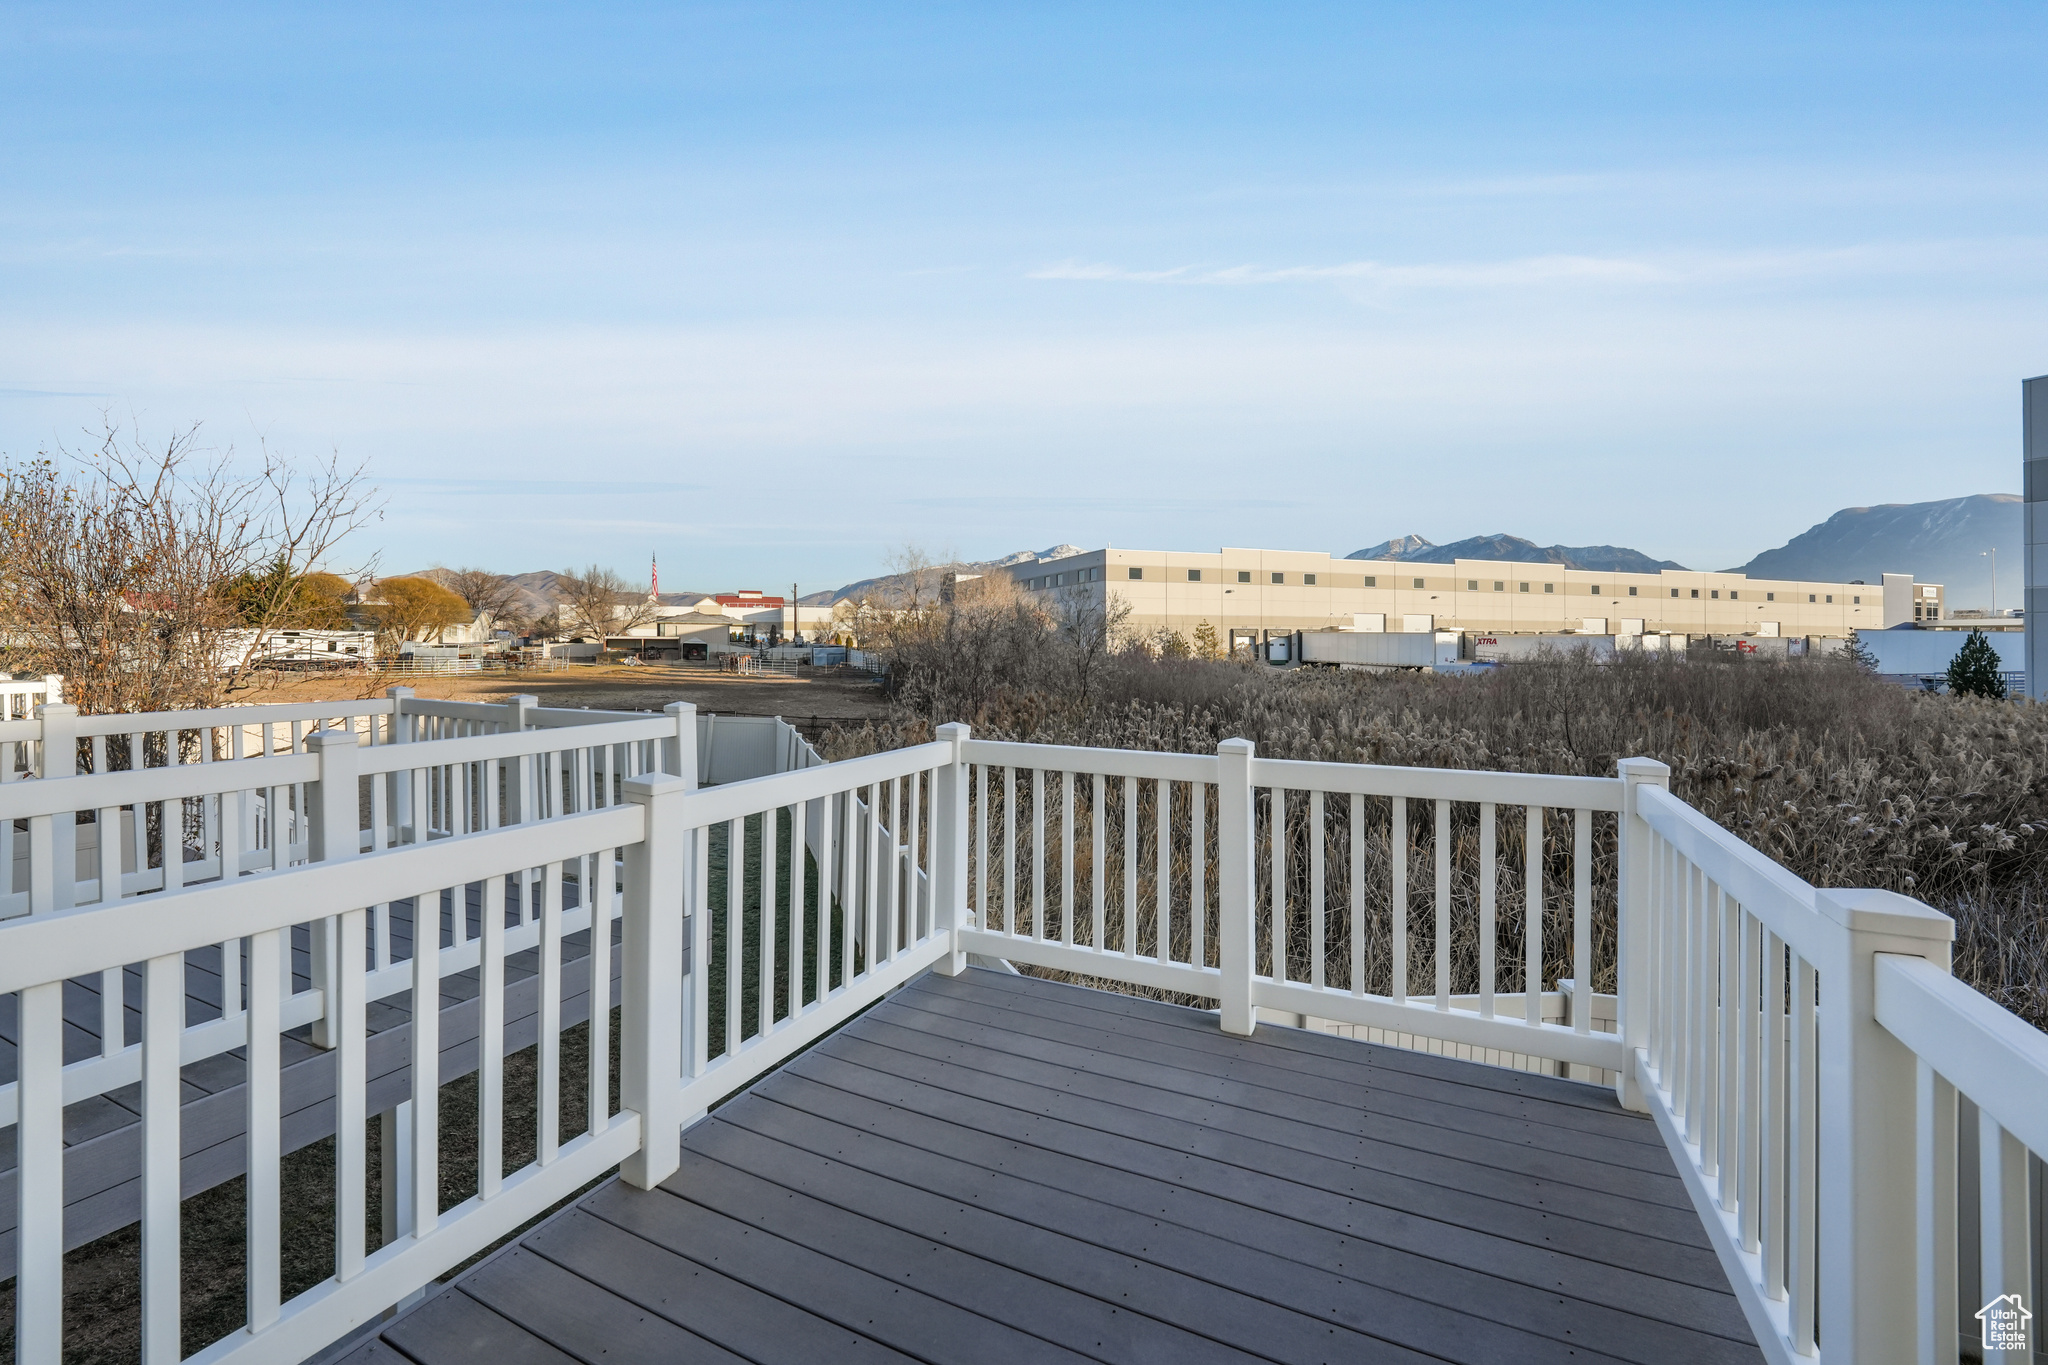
646	787
680	708
398	693
1872	910
1641	768
955	730
1236	746
56	708
333	739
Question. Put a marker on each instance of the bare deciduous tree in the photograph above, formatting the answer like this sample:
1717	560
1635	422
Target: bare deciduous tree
489	595
600	602
151	576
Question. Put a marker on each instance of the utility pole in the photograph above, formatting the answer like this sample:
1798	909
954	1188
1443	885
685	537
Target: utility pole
1993	553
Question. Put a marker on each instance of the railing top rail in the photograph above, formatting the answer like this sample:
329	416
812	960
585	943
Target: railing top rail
386	758
733	800
69	943
255	713
1109	762
1988	1053
92	791
1441	784
1774	894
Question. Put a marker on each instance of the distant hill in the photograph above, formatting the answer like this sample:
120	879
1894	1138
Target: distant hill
888	586
1937	542
1515	550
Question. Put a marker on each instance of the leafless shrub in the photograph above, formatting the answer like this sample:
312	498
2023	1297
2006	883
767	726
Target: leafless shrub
1847	780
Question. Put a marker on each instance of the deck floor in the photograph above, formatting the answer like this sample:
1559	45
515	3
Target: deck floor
994	1168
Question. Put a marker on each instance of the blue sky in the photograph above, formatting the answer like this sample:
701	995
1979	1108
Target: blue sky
771	289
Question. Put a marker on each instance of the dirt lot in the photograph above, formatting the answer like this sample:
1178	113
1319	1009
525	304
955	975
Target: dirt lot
812	704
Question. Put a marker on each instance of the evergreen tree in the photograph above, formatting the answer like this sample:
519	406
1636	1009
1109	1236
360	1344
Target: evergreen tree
1207	646
1975	671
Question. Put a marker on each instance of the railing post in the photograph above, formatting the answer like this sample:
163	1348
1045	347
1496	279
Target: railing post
518	791
1234	890
651	996
949	848
1865	1195
679	755
58	757
333	810
401	781
1633	970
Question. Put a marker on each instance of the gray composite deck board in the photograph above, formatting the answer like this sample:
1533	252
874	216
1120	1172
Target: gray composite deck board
102	1135
993	1167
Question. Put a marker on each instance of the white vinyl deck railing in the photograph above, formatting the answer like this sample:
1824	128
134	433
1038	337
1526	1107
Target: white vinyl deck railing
1805	1053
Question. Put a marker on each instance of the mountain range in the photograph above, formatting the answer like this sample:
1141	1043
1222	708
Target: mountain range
1515	550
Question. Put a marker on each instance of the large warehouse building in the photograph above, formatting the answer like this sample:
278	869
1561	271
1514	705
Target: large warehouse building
1250	595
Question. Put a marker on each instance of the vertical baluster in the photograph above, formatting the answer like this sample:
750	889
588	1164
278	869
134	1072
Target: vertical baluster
1037	853
799	846
380	952
1198	870
871	859
1706	975
1582	919
1099	815
490	1076
1532	917
351	1139
1276	859
599	1078
1800	1198
1773	1154
163	1022
1489	878
2003	1223
261	1103
1009	925
843	865
39	1171
548	1093
764	956
1659	917
889	867
426	1038
919	886
1318	922
1728	1066
1934	1204
1397	863
697	1023
1748	1023
1355	877
1442	948
1131	852
1162	876
1067	858
981	866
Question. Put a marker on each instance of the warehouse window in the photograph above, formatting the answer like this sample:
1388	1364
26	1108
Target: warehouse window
1308	579
1770	597
1831	599
1695	592
1715	593
1194	575
1809	597
1674	592
1471	585
1371	581
1499	586
1733	595
1418	582
1525	587
1857	600
1631	592
1244	575
1596	590
1137	573
1550	587
1279	578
